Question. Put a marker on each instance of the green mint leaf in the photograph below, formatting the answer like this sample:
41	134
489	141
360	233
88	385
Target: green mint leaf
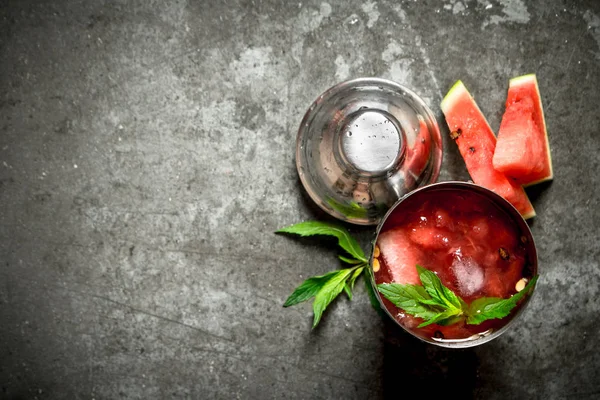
452	320
355	275
308	289
442	318
348	291
434	287
432	302
350	260
310	228
329	291
437	304
463	305
493	307
350	282
351	210
410	298
415	300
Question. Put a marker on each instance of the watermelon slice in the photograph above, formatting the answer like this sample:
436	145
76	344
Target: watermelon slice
517	140
522	151
476	143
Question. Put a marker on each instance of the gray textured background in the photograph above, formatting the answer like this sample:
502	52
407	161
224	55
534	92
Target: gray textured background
147	156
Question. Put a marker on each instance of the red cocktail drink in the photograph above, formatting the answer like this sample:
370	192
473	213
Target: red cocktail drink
473	240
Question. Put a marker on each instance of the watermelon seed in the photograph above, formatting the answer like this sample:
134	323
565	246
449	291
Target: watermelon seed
503	253
455	134
438	335
524	239
472	150
521	284
376	252
376	265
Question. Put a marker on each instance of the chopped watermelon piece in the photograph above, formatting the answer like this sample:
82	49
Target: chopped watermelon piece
523	151
443	220
400	256
476	143
480	228
416	156
429	237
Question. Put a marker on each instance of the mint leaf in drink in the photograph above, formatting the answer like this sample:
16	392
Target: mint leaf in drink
436	304
328	292
443	318
440	293
308	289
311	228
412	299
417	301
493	307
452	320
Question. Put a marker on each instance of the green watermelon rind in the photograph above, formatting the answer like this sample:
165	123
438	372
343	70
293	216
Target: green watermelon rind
528	79
455	91
452	93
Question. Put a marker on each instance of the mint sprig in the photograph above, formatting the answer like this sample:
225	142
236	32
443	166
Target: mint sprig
438	292
493	307
311	228
436	304
325	288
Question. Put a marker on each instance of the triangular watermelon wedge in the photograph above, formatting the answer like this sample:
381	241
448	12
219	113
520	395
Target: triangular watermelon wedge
476	143
523	151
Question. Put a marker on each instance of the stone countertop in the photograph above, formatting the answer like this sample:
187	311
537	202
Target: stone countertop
147	157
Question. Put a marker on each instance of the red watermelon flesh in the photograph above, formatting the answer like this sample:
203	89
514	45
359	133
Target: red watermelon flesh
477	143
429	238
523	151
417	156
400	255
518	140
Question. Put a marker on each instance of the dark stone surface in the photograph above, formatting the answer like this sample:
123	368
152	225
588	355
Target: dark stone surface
147	156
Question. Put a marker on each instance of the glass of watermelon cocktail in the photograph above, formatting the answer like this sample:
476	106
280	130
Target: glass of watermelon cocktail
479	247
